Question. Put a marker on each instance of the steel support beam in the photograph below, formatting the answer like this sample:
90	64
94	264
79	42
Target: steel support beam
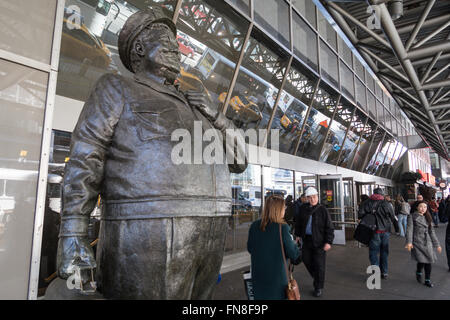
419	24
431	35
427	51
403	57
438	72
436	84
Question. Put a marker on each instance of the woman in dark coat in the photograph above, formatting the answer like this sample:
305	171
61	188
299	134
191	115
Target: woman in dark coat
269	277
421	241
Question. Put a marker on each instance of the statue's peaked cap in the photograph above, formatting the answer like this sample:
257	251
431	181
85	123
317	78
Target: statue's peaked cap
134	25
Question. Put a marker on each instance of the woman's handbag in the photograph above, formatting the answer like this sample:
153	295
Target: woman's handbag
292	290
366	228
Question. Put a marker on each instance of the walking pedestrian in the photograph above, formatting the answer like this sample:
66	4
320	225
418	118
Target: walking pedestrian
405	210
420	240
416	203
384	216
269	277
289	212
434	211
316	231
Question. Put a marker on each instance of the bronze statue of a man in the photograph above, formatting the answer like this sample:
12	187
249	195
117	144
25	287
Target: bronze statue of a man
163	229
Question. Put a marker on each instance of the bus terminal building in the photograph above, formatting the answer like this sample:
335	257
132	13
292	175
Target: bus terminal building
357	104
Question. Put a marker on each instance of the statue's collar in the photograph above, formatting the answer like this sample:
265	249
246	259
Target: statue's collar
169	89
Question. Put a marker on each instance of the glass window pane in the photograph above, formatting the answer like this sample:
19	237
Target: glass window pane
318	122
338	129
89	50
273	16
304	41
246	207
328	64
347	81
307	9
278	181
371	105
380	113
344	51
293	105
23	93
377	143
379	161
242	4
351	142
364	145
257	84
370	82
209	53
360	94
388	151
27	28
327	32
359	68
378	91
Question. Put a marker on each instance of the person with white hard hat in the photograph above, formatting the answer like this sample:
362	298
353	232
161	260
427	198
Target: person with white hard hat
315	228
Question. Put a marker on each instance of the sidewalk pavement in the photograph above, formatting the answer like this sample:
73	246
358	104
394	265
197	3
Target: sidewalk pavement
346	276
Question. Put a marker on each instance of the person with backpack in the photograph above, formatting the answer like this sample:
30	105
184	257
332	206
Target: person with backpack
420	240
383	215
433	206
402	216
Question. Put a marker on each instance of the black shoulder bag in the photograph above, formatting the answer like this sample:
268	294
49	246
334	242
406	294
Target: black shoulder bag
366	228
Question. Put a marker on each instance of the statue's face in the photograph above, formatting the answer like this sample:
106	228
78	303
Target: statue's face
158	48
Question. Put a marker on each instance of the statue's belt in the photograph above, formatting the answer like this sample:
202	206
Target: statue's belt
167	208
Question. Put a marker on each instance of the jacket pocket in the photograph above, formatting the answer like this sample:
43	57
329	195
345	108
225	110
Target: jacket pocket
155	118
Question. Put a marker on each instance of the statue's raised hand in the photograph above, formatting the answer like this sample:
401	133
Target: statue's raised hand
201	101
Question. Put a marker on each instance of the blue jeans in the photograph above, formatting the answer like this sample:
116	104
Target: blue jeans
435	216
379	251
402	223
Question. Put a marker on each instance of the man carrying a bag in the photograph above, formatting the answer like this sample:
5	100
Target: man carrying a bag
384	215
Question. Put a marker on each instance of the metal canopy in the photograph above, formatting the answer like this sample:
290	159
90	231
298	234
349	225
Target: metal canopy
410	56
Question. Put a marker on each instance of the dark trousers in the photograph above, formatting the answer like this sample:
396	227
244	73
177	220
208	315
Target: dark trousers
427	266
379	251
314	260
447	244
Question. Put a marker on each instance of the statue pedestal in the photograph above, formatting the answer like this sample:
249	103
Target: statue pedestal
58	290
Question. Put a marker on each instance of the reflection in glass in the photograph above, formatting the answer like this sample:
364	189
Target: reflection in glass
377	144
364	144
344	51
246	207
273	16
258	82
304	39
89	49
278	181
302	181
210	40
353	137
292	107
336	135
370	82
318	122
27	28
308	10
380	113
347	87
328	64
389	154
23	93
359	69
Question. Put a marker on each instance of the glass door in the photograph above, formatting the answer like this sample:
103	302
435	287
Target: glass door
331	195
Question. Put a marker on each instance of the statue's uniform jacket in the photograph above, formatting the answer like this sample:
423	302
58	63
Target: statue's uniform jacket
121	149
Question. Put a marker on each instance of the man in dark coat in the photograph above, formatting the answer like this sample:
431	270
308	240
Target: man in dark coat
383	216
163	229
314	227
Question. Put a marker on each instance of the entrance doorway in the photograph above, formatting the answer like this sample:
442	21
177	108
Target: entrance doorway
332	197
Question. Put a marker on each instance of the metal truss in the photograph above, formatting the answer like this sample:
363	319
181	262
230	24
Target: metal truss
410	56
